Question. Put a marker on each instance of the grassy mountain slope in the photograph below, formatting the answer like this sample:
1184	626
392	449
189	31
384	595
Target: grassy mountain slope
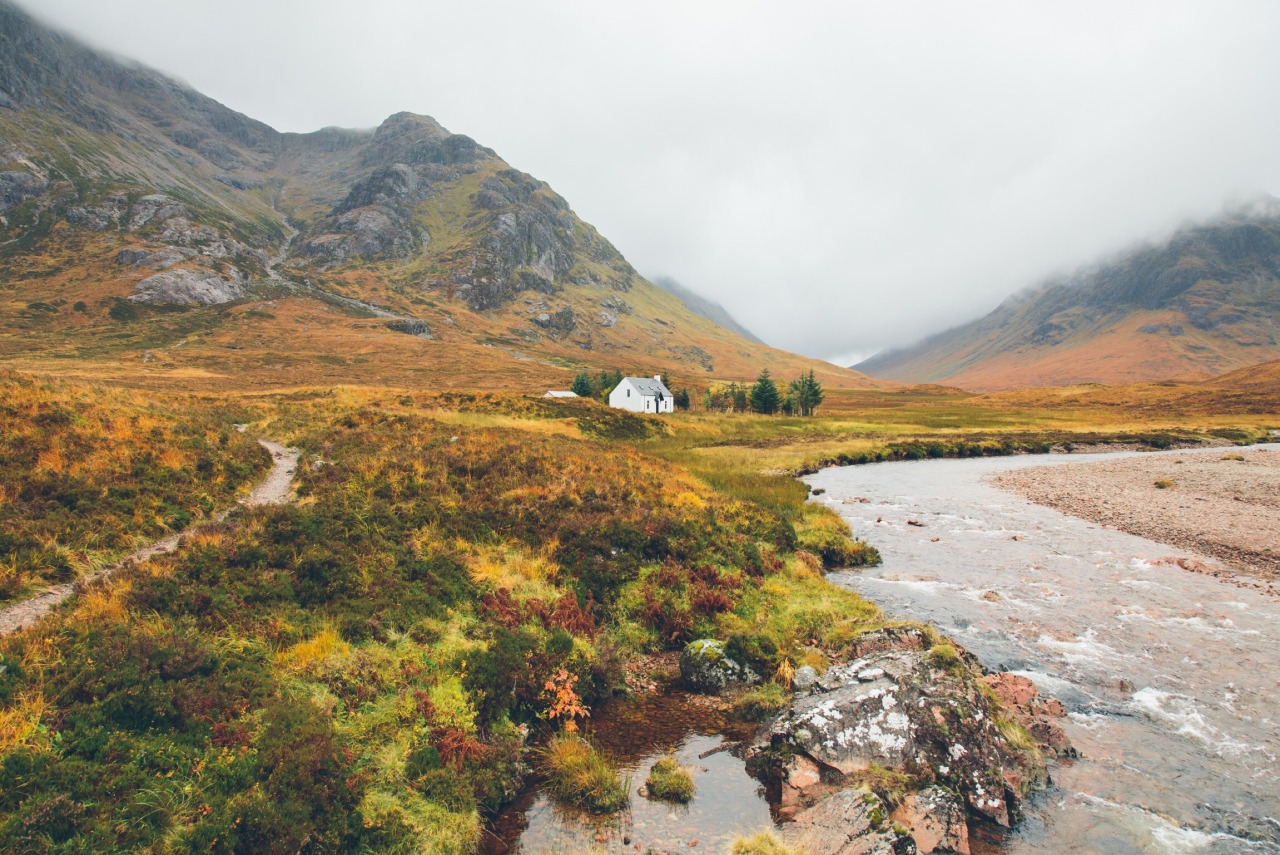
151	235
1204	302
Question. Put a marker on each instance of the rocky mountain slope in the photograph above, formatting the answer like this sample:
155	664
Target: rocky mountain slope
1203	302
150	233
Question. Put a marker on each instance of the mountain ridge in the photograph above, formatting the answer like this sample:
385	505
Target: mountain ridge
1204	301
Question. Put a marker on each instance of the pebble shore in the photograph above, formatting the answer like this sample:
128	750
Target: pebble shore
1224	504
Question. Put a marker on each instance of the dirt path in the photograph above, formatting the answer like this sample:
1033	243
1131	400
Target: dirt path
276	489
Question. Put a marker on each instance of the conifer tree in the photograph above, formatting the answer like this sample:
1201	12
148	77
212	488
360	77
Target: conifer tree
764	394
581	385
806	394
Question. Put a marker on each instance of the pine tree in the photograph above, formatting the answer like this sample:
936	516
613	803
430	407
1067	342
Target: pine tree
806	394
682	399
764	394
581	385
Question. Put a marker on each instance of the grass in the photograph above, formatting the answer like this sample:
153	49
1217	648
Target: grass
763	843
1163	484
578	774
669	781
759	703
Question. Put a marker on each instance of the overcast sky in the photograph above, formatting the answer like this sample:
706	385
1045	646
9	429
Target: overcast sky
842	176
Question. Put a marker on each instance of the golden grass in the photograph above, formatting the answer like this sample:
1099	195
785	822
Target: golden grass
305	656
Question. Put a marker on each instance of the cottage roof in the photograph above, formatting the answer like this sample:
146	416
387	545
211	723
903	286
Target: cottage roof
648	386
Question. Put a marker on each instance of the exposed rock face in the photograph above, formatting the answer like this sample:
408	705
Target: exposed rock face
1039	716
18	187
188	286
562	322
410	326
705	667
936	819
851	822
371	232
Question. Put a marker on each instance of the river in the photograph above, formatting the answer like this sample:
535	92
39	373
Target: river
1171	678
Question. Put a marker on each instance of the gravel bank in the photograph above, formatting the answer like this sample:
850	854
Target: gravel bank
1226	505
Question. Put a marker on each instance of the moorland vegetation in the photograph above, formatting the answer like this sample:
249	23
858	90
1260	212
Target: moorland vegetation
462	578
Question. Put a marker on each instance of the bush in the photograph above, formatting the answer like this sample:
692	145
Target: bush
1163	484
579	774
669	781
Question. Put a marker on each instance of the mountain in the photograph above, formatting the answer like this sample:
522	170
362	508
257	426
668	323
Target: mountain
150	234
1205	301
708	309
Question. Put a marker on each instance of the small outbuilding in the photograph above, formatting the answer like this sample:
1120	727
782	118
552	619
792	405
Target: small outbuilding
642	395
556	393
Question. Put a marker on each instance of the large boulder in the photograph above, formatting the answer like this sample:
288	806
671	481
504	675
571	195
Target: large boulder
189	286
706	667
851	822
904	707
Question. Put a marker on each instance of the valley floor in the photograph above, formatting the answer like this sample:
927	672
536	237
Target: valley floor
1223	503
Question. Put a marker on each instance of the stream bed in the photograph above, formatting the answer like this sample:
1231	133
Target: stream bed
1171	678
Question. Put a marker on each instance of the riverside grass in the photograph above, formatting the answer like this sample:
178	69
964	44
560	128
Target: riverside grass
376	646
577	773
669	781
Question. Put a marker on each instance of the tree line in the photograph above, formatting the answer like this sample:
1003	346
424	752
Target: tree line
800	397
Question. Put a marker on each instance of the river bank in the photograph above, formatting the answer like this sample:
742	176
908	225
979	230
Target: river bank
1226	505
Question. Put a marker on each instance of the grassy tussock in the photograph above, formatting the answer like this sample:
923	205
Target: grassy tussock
669	781
764	843
579	774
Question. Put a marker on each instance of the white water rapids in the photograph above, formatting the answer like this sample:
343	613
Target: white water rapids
1171	678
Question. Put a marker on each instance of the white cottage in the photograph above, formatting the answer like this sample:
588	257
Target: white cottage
642	395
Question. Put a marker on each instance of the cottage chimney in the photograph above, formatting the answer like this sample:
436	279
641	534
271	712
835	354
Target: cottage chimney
658	377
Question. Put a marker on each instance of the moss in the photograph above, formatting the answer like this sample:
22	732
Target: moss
945	656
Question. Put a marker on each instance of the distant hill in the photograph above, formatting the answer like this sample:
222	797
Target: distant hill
148	232
708	309
1205	301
